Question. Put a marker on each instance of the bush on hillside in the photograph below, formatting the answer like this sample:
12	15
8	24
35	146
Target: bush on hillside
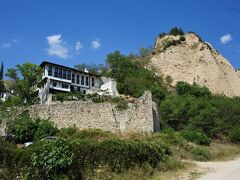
121	104
196	137
182	38
176	31
118	155
25	129
22	129
45	128
183	88
132	78
235	136
201	154
51	161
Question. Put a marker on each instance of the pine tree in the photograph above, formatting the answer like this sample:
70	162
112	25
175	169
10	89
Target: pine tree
1	72
2	88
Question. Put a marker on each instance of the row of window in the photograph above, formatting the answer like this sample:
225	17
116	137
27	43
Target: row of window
63	85
77	80
66	74
59	73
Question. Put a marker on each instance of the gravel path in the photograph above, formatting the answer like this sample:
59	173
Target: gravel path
228	170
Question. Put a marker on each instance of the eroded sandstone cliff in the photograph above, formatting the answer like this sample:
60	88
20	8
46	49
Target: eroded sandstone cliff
187	58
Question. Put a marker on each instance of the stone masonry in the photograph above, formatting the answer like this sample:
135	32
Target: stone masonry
141	116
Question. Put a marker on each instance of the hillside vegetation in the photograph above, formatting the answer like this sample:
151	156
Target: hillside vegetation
195	125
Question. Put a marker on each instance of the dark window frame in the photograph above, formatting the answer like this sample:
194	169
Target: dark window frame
54	84
68	75
82	80
87	81
93	82
49	70
78	79
64	74
73	78
55	72
60	73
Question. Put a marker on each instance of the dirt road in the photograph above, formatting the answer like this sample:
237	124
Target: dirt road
228	170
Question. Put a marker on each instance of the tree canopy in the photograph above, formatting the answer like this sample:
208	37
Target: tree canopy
132	78
27	77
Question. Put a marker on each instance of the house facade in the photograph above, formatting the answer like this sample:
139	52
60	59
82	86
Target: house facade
5	95
65	79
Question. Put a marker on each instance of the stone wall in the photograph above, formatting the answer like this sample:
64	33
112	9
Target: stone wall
139	117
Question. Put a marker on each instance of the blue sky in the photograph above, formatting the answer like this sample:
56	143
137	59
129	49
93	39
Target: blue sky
70	32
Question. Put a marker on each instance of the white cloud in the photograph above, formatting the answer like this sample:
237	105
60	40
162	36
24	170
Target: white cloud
15	41
9	43
57	46
78	46
226	38
6	45
96	44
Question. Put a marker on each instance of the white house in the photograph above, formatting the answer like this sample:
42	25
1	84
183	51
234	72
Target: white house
65	79
5	95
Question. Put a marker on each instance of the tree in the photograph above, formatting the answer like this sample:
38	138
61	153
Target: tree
22	128
176	31
184	88
45	128
27	79
132	77
1	72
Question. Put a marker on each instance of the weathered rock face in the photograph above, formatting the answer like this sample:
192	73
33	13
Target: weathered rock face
192	60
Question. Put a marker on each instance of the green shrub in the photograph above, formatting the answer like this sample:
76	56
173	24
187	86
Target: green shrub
121	104
44	128
182	38
235	136
201	154
93	134
196	137
169	43
51	161
119	155
176	31
23	128
132	78
160	35
183	88
67	132
13	101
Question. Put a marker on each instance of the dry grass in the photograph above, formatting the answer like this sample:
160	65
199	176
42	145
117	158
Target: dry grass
224	151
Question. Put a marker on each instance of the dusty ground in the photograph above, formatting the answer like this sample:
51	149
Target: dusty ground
219	170
228	170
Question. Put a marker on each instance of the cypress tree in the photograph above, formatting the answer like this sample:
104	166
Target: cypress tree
1	72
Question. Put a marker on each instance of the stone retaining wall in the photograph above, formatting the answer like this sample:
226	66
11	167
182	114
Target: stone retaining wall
141	116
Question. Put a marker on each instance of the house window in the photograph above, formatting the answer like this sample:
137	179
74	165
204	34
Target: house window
78	79
69	75
2	95
65	85
64	74
56	72
54	83
50	70
78	89
82	80
60	73
93	83
87	81
73	78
